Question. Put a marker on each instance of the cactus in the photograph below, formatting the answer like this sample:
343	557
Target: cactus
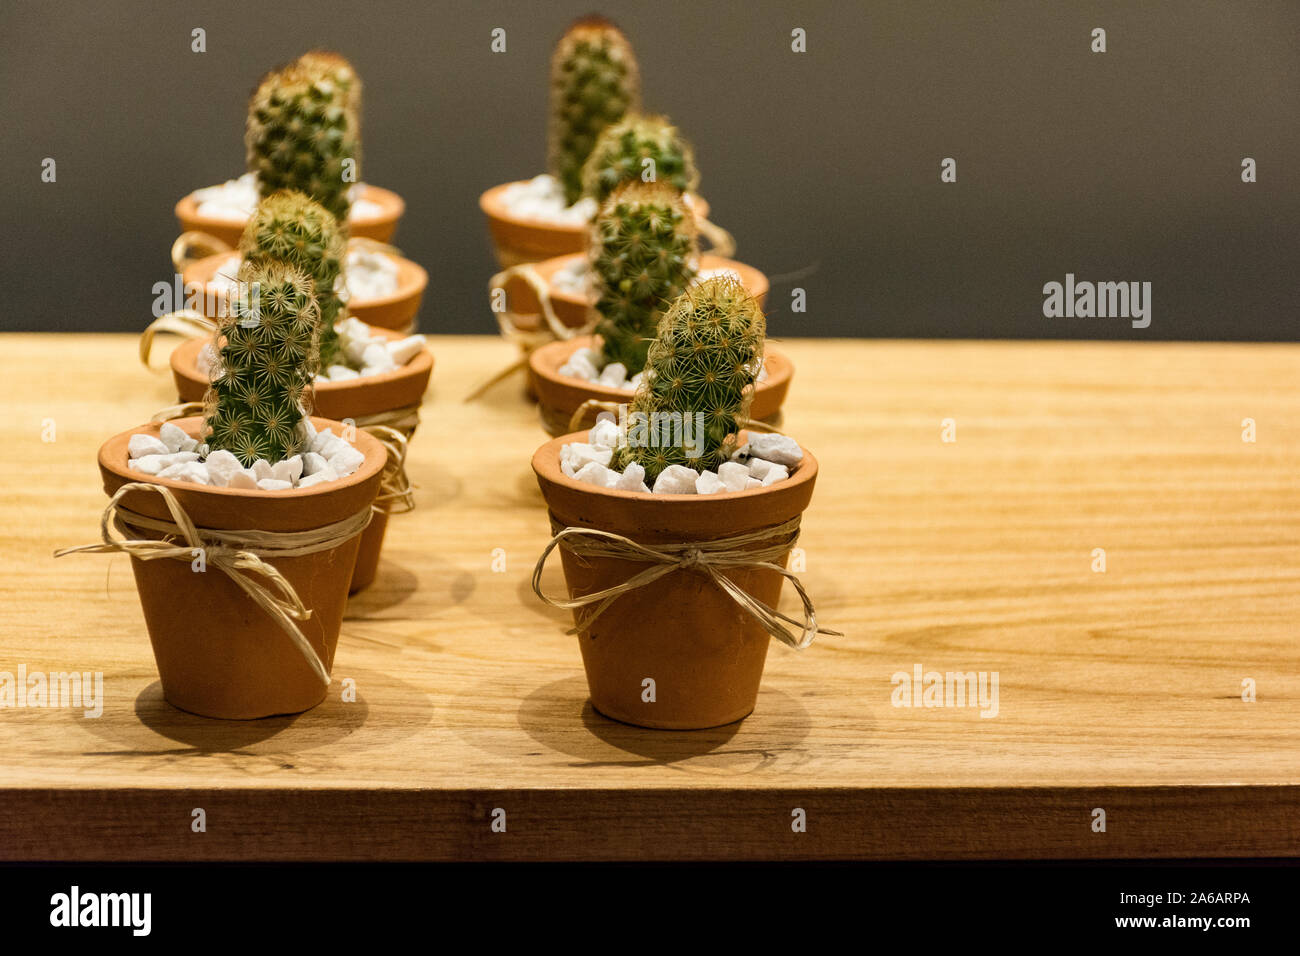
336	68
290	227
594	81
643	254
703	362
645	148
303	133
267	350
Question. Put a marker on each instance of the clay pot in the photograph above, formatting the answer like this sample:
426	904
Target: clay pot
560	396
575	310
397	311
379	226
703	652
517	240
219	654
354	398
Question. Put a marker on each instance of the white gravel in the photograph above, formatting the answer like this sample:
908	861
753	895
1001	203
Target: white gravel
586	364
542	200
367	275
367	353
575	279
236	199
173	454
748	468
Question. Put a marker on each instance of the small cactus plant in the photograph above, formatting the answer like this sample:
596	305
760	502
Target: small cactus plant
643	252
645	148
303	133
594	82
701	369
290	227
267	349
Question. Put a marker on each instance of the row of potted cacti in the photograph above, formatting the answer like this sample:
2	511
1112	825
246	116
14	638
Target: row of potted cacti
674	513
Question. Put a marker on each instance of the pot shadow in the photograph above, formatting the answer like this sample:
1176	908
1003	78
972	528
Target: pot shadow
552	583
560	717
434	487
393	585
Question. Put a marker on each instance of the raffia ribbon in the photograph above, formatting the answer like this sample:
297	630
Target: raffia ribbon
237	554
527	340
707	557
186	323
723	242
193	245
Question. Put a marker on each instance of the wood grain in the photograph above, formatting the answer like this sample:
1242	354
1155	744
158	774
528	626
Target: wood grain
1120	690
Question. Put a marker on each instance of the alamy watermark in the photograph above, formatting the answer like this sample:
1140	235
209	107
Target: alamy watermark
923	688
1101	300
84	689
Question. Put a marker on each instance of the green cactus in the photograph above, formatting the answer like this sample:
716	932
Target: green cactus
703	361
290	227
594	81
645	148
267	350
303	133
643	253
336	68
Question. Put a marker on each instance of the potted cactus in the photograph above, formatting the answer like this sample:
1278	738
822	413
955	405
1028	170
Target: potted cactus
221	211
303	134
674	523
243	524
370	377
643	255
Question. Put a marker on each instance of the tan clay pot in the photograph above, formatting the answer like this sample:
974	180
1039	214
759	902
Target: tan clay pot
575	310
379	226
703	652
517	240
354	398
219	654
559	396
397	311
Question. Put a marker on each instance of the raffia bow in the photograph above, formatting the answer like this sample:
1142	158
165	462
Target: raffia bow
237	554
707	557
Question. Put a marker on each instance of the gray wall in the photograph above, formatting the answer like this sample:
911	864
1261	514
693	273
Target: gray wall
1122	166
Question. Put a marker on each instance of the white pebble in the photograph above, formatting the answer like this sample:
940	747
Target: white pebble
222	466
191	471
262	469
733	475
346	459
594	473
759	467
156	464
579	367
777	448
337	373
313	463
752	482
141	445
632	479
741	452
774	474
242	479
272	484
605	433
575	455
403	350
318	477
289	470
635	381
613	375
377	357
676	480
709	484
172	437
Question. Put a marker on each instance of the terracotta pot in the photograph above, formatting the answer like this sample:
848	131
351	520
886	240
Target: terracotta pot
559	396
219	654
397	311
574	309
517	240
703	652
379	226
354	398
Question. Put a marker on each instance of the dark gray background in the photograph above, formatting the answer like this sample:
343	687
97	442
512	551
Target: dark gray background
825	165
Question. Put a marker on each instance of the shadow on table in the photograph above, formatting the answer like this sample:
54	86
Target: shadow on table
559	716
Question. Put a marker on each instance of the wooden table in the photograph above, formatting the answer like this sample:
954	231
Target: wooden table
1120	690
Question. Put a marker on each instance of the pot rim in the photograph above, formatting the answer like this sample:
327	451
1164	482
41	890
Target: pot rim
376	459
546	466
778	377
548	267
493	206
394	207
417	279
419	364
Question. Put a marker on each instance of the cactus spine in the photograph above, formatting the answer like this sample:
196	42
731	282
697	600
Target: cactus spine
267	349
303	132
643	253
645	148
290	227
702	363
594	81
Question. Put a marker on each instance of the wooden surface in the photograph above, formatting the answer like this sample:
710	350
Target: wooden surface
1120	690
